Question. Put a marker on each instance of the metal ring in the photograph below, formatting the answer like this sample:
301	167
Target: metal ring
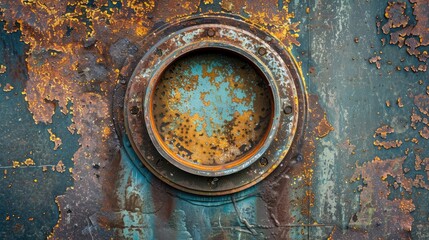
184	36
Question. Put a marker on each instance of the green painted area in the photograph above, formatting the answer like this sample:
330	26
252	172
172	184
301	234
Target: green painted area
27	194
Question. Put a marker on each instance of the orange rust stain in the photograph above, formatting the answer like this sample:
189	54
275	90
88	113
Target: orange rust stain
53	138
15	164
318	126
29	162
383	131
2	69
323	128
387	144
387	103
268	16
8	87
376	60
399	102
406	206
60	167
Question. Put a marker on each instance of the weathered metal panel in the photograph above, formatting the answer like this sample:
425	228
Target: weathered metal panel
69	171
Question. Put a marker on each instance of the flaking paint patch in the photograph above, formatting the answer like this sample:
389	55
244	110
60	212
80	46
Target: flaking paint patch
327	197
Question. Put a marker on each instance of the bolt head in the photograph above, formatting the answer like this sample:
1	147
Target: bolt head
287	109
263	161
134	110
211	32
262	51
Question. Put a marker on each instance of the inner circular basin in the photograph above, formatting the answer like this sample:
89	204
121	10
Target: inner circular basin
211	108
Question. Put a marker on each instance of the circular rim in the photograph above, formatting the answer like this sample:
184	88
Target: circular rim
220	170
246	37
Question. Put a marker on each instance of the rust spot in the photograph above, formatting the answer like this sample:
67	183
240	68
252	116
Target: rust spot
53	138
15	164
424	133
388	103
323	128
383	131
388	144
60	167
399	102
8	87
422	103
376	60
407	206
395	13
413	36
29	162
2	69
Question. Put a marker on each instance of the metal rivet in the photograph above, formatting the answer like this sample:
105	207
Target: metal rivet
287	109
263	161
134	110
122	80
211	32
299	158
262	51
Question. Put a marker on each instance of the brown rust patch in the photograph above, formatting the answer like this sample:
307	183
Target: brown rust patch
281	196
29	162
376	60
60	167
2	69
374	203
324	127
399	103
422	103
413	36
53	138
424	133
7	87
388	144
383	131
395	13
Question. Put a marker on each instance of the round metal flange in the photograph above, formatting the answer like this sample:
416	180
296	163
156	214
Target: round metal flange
182	164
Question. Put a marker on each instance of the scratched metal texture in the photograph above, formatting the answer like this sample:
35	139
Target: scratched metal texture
358	178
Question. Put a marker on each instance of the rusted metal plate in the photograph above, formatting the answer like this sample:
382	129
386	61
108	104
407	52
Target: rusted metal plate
358	169
207	112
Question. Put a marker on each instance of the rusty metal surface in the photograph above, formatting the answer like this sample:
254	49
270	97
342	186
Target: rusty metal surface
208	113
222	33
358	171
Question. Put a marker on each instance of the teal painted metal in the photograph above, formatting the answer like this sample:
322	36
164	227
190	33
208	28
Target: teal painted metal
354	196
